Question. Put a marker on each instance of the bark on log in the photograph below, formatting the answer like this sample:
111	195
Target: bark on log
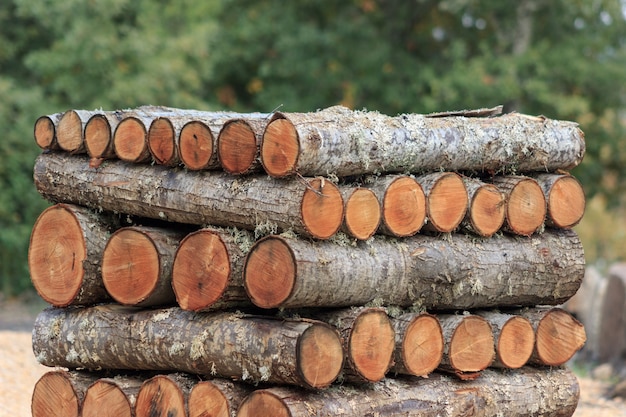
487	206
238	144
45	131
368	340
64	255
112	397
565	199
71	130
130	138
362	212
99	135
419	344
313	207
208	269
230	345
526	392
339	141
514	338
137	265
446	200
216	398
468	345
525	204
60	393
558	335
403	205
459	272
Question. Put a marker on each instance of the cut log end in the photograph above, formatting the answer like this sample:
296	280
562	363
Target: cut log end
558	337
159	396
130	266
263	404
362	214
526	207
129	140
162	141
422	346
70	132
45	132
472	345
487	210
269	272
106	399
98	136
237	147
56	254
515	342
54	395
206	400
201	270
320	355
404	207
371	345
321	208
447	203
280	148
195	145
566	202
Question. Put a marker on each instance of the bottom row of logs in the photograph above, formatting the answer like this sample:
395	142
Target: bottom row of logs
527	391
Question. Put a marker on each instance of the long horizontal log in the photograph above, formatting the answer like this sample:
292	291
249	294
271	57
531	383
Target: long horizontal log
526	392
458	272
230	345
312	207
343	142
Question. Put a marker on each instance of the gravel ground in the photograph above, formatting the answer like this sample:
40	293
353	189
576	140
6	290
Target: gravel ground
19	371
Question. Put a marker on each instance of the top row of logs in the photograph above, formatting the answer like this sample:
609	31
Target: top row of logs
335	141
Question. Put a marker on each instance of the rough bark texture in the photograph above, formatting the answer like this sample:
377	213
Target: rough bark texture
71	130
238	143
65	253
216	398
403	204
208	269
514	338
446	200
362	212
486	210
312	207
458	272
419	344
99	135
112	397
60	393
249	348
45	131
344	142
565	199
525	204
526	392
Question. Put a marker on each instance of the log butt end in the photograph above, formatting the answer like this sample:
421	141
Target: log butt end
70	132
487	210
321	208
558	337
129	140
54	395
362	214
515	342
526	207
45	132
320	355
447	203
56	254
472	345
371	345
404	207
98	137
280	148
195	145
237	147
566	202
201	270
105	398
422	345
270	272
263	403
161	141
160	396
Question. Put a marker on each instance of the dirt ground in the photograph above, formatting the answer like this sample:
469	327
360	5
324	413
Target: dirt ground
19	371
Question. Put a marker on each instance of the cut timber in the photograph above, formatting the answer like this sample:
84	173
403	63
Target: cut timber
403	205
558	335
524	393
362	212
130	138
468	345
446	200
419	344
207	272
565	198
343	142
525	204
112	397
216	398
99	135
311	207
487	206
230	345
238	144
46	131
164	396
459	272
64	255
196	146
514	337
60	393
137	265
368	338
71	130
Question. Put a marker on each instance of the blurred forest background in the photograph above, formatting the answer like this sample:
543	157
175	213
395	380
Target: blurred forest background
565	59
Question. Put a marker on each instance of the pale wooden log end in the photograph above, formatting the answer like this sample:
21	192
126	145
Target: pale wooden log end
321	208
129	141
237	147
162	142
280	148
70	132
195	145
98	137
362	213
403	207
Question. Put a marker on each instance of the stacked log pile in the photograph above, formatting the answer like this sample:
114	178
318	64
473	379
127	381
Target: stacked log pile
292	264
